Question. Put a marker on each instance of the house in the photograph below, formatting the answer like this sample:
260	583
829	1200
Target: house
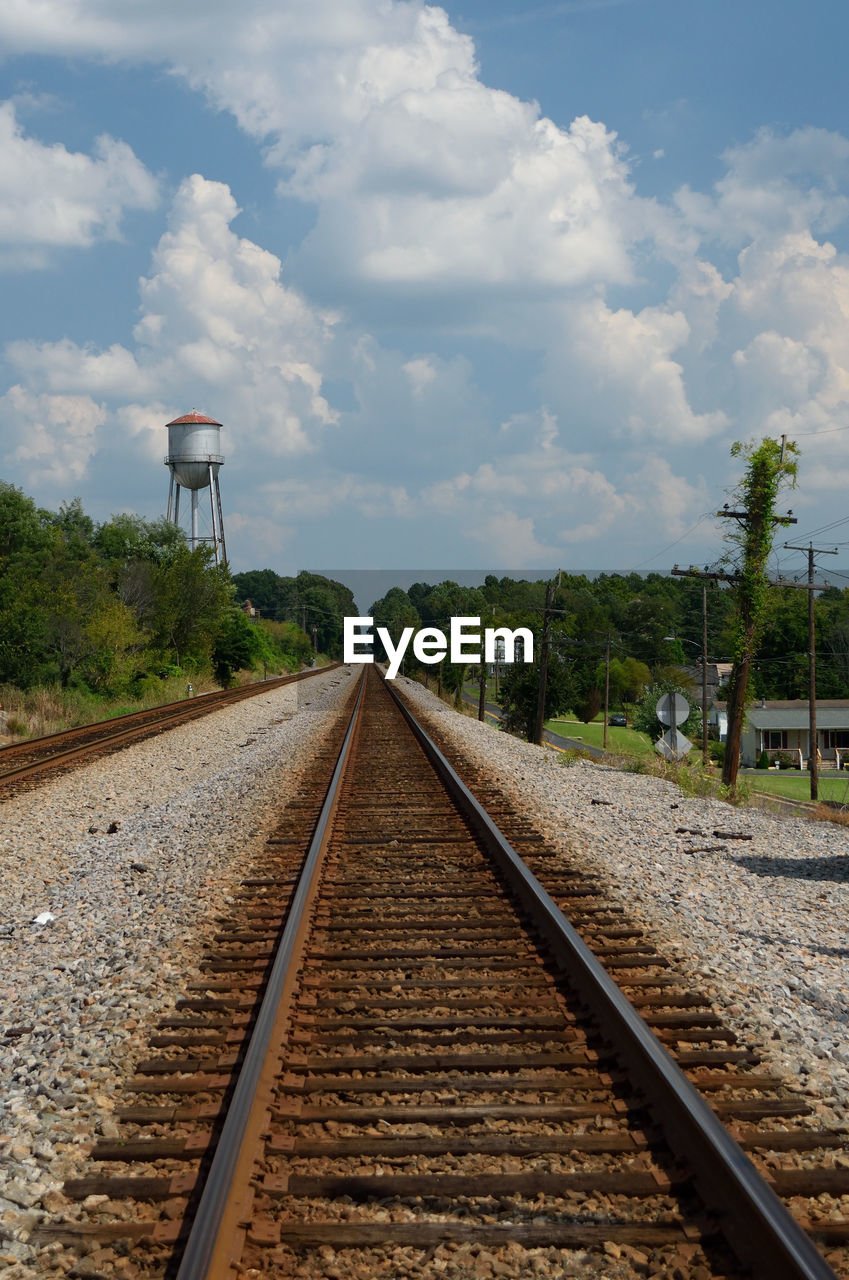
784	725
717	673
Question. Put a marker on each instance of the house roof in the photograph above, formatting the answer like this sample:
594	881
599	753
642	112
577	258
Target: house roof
794	713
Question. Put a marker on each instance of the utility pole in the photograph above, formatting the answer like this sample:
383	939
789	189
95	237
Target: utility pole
606	690
482	697
543	664
705	752
753	521
713	576
810	586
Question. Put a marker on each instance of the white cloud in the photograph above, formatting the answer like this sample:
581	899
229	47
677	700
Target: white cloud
56	436
421	374
296	498
217	328
774	185
51	197
623	366
508	539
374	110
790	307
789	368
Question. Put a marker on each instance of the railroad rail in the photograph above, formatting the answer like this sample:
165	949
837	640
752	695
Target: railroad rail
25	764
401	1046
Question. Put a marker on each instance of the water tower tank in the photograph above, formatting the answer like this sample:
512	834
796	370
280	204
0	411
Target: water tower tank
194	460
194	447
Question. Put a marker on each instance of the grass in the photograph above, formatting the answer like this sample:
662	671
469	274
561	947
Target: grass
49	709
622	741
795	785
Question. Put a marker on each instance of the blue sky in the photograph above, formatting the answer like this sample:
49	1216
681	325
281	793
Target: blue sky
485	284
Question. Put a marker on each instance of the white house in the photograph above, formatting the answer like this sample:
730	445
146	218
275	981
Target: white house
784	725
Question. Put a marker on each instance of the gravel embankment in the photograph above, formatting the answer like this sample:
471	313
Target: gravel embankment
129	912
763	921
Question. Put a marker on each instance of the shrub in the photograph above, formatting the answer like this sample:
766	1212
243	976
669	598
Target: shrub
785	760
573	755
590	707
716	751
763	761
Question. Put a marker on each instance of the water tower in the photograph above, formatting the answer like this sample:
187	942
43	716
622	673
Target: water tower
194	460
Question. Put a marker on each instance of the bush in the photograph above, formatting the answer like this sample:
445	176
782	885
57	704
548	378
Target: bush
785	760
763	761
716	751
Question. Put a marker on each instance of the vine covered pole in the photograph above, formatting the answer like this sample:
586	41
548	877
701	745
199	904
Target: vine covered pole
770	466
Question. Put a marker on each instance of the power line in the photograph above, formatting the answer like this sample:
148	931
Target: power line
670	545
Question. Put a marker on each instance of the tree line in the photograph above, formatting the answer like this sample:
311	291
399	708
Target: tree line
653	624
116	608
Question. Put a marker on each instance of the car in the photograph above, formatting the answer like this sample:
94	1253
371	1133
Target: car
617	718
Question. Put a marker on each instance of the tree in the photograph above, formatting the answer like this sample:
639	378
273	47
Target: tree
590	706
520	693
236	646
113	644
24	547
770	466
629	679
192	600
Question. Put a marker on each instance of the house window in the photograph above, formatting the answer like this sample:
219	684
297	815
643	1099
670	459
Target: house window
837	738
775	739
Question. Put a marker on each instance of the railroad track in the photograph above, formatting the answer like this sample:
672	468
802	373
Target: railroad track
402	1059
27	764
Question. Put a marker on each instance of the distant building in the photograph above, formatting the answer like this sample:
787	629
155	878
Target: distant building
784	725
717	674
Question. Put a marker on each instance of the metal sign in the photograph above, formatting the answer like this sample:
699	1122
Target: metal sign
672	709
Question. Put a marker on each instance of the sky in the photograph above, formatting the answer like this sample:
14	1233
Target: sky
481	284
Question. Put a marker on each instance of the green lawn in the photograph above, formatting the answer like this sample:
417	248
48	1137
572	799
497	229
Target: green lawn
796	785
625	741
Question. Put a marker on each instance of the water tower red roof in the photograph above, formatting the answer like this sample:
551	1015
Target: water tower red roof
194	416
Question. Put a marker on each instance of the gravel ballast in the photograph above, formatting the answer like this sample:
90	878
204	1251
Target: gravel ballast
760	912
126	862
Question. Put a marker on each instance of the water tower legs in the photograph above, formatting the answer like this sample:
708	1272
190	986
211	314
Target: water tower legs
218	528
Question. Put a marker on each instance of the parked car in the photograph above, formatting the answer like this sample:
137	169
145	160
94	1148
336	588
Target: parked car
617	718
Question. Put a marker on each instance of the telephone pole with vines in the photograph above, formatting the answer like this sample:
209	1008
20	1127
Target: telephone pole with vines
770	467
